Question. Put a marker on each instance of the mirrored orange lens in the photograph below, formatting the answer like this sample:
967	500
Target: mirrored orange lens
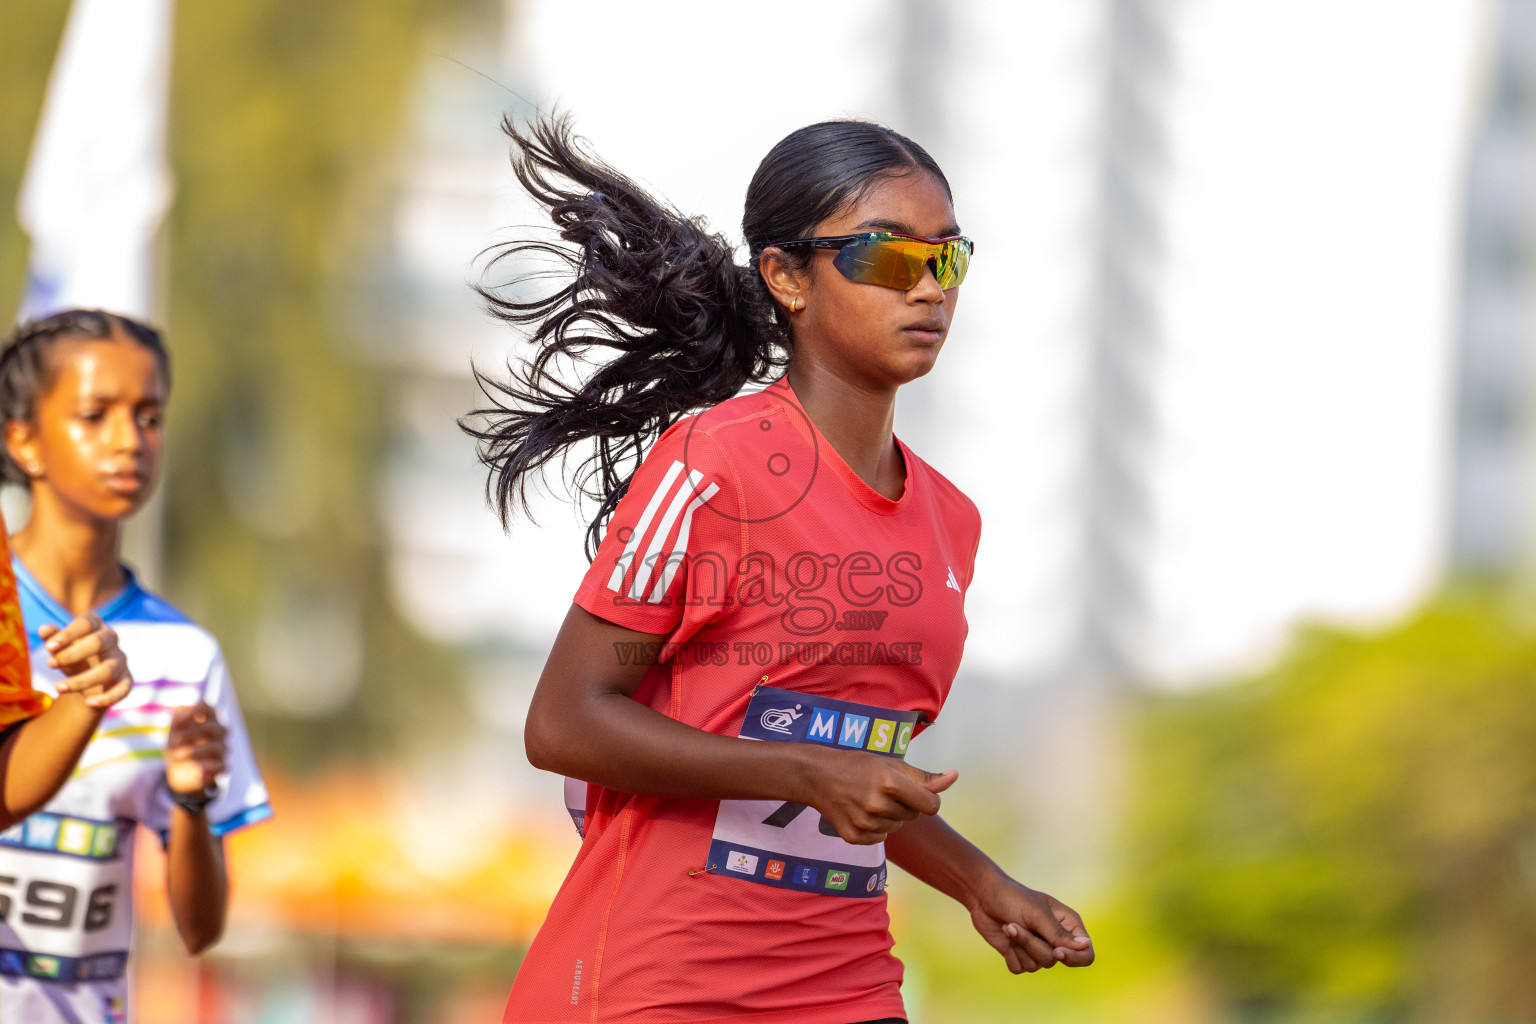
952	264
889	263
899	262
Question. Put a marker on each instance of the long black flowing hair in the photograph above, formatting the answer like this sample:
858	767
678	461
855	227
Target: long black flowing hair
683	325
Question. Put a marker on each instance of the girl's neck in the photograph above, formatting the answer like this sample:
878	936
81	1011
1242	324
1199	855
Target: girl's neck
73	557
857	422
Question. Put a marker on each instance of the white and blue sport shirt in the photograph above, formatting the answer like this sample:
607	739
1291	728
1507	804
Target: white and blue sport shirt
66	873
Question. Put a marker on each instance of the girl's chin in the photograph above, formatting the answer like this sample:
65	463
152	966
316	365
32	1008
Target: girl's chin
915	364
112	506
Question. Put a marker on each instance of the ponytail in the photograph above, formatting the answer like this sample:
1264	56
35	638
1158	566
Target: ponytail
687	327
684	326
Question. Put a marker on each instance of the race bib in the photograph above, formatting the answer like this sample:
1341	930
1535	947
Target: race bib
790	845
64	898
576	804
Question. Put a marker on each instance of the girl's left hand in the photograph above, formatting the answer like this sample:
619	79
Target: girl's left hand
86	652
194	750
1032	930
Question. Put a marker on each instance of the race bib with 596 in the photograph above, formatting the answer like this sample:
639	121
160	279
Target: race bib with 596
65	885
790	845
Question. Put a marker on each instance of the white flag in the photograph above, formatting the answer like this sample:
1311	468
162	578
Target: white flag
96	183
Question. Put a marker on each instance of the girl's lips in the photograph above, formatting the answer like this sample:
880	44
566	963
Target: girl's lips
925	332
125	483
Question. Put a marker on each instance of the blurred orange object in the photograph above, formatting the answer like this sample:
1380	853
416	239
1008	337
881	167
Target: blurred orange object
362	854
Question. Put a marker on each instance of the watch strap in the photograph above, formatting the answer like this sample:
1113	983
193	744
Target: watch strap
194	803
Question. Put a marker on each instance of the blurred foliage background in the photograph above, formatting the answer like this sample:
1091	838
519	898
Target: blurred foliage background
31	31
1349	836
1354	832
285	119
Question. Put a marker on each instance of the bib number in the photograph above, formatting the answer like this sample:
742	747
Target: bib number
790	845
64	898
52	904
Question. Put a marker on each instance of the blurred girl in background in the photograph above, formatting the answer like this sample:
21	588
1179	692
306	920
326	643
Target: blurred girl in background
83	398
776	604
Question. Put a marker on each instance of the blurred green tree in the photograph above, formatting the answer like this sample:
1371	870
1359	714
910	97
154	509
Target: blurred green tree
285	119
1355	831
31	30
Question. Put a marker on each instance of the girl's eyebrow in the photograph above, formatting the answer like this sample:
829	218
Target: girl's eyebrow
902	229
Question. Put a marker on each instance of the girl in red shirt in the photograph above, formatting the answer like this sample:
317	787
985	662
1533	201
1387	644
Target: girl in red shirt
775	606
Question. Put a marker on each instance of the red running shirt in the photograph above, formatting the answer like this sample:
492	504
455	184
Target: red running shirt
797	605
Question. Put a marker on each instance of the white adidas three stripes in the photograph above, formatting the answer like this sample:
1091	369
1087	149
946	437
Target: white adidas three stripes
658	537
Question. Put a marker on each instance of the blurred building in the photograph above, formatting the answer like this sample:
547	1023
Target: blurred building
1493	525
493	597
1110	643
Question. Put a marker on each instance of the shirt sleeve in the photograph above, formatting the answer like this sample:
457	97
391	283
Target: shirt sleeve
242	798
970	569
670	555
18	701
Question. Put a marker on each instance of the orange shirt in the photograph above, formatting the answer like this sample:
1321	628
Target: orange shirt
18	700
798	605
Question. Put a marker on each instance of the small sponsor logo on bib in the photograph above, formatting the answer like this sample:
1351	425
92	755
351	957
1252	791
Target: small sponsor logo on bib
775	870
43	966
837	879
742	863
780	719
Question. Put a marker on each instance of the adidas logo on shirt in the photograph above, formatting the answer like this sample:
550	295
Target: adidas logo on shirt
657	537
951	583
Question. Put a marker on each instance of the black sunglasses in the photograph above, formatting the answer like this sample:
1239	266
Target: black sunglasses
895	260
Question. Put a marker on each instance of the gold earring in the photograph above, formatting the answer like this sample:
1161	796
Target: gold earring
794	304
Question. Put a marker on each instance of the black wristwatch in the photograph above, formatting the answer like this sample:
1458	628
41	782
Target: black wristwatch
193	803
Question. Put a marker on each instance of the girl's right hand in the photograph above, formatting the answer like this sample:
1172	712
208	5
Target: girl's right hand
866	797
195	751
94	666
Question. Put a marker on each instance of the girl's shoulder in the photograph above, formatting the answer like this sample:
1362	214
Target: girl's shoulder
148	624
948	494
735	422
730	439
142	605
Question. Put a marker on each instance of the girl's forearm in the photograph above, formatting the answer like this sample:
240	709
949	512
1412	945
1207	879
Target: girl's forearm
38	759
934	853
195	880
614	741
